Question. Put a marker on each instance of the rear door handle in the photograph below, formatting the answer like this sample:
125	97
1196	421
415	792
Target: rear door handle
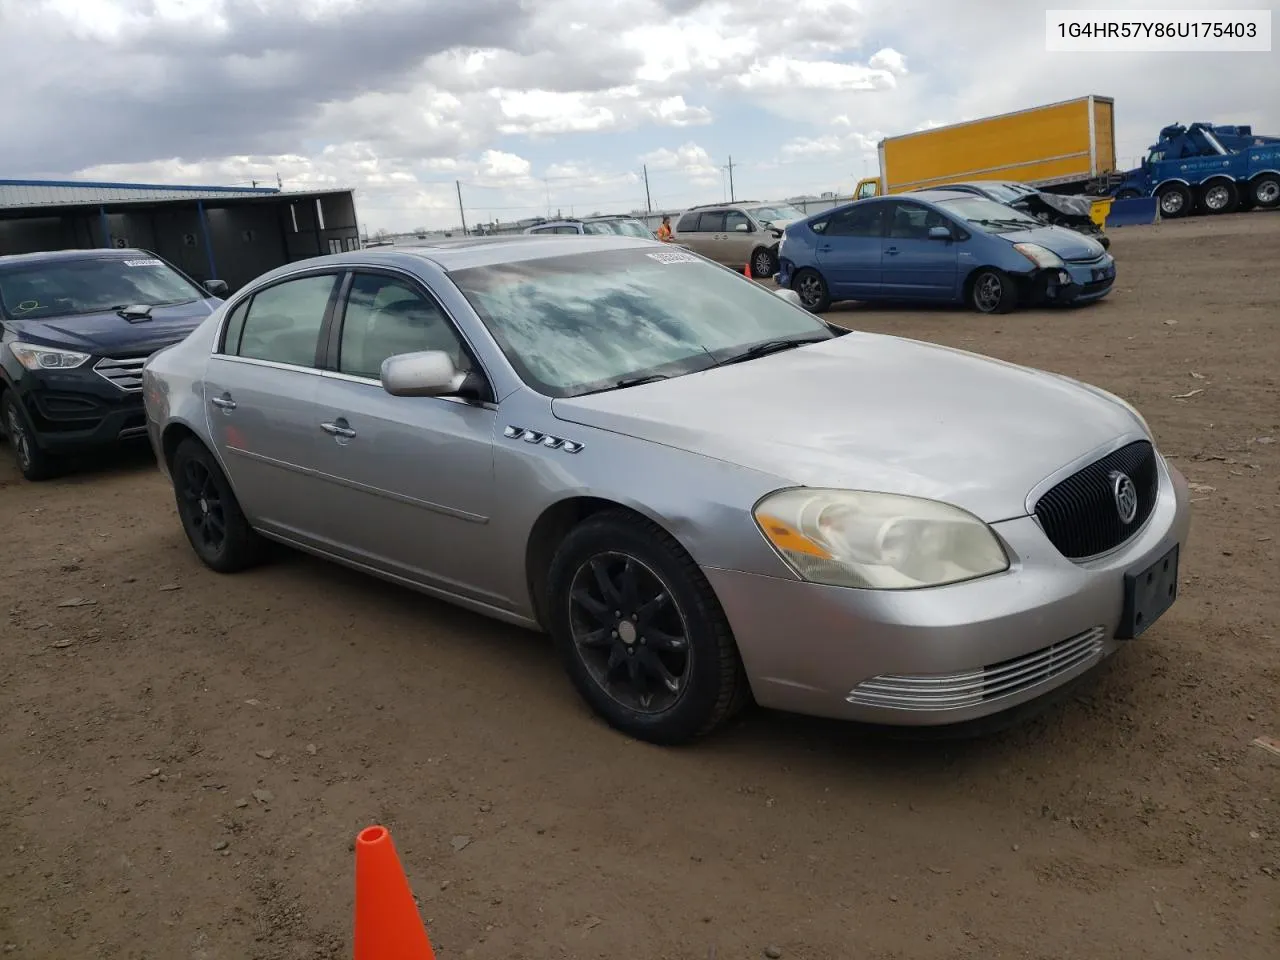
224	401
825	248
892	251
338	428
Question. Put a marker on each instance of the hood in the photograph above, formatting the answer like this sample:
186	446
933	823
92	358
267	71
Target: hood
1066	243
109	334
874	412
1067	207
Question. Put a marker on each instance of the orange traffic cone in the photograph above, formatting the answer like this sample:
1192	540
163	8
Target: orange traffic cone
387	924
746	271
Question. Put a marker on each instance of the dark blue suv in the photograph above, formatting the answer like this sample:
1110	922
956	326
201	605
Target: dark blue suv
75	329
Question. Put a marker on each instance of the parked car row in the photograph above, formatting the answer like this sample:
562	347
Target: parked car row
586	435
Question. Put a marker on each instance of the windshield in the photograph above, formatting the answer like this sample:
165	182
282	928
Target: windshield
777	213
988	215
577	323
625	228
62	288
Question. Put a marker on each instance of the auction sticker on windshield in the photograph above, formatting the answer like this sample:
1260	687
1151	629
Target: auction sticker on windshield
142	263
674	256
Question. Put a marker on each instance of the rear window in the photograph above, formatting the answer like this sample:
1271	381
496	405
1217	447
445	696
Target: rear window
571	324
66	287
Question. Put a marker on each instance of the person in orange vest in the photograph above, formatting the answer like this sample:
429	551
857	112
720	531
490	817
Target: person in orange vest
664	231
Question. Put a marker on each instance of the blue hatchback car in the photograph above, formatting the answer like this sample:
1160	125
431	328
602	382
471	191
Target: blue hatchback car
940	245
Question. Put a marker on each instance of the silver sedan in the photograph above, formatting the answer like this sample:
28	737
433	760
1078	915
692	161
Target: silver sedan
705	494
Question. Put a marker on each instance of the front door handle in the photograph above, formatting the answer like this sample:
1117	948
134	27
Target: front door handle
224	401
892	251
338	428
825	248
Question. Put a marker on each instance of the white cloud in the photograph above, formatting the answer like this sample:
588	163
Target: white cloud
525	103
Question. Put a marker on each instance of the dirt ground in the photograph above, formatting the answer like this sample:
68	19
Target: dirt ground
185	758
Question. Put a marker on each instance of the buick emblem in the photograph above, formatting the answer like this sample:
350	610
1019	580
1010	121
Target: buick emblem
1126	496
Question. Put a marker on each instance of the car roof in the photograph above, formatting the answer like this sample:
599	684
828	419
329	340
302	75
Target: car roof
64	256
936	195
461	253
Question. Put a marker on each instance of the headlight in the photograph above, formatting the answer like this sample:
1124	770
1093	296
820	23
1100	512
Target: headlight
46	358
881	541
1042	257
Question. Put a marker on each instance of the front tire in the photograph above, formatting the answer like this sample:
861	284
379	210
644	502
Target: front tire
993	291
812	288
32	462
764	264
640	631
1175	201
211	516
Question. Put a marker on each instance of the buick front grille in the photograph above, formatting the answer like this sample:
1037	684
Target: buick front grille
125	373
970	688
1080	515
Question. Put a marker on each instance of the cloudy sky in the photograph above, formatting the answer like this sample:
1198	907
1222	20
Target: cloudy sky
538	105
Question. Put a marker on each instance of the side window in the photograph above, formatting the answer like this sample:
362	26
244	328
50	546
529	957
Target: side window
234	328
860	220
910	221
283	322
868	189
386	316
572	230
543	230
711	222
732	218
688	223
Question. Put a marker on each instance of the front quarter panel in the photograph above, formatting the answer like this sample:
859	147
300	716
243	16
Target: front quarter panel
704	503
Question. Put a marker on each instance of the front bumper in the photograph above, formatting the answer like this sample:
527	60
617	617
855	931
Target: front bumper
1075	282
946	654
73	410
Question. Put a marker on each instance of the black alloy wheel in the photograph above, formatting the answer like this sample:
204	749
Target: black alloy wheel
630	634
640	631
211	516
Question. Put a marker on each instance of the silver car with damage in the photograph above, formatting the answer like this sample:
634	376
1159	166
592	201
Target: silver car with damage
705	494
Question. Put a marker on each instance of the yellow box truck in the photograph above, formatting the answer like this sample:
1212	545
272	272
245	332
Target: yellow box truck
1059	147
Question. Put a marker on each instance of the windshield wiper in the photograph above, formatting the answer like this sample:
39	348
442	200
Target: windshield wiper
627	382
771	346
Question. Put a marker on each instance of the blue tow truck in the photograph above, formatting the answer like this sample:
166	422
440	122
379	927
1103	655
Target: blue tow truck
1204	168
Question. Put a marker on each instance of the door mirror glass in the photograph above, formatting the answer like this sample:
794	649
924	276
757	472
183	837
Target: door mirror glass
939	233
427	373
217	288
741	228
790	296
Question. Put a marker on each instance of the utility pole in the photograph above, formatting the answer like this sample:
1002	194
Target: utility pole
461	213
647	201
732	196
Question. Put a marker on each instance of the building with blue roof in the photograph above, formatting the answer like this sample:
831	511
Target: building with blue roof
209	232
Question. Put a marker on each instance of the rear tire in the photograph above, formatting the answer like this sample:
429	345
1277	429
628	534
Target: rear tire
812	288
211	516
1266	191
640	631
32	462
993	291
1220	196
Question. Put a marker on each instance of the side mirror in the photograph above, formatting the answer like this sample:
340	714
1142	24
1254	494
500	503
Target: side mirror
939	233
790	296
428	373
742	228
217	288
